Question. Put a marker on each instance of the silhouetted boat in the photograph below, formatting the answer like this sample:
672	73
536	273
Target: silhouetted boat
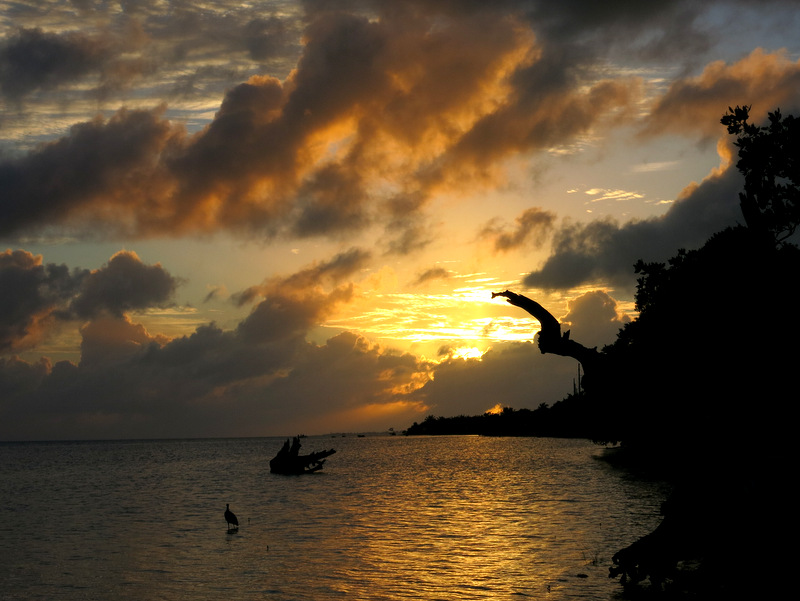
289	461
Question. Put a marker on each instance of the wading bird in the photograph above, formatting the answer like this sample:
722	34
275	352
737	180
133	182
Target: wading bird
230	518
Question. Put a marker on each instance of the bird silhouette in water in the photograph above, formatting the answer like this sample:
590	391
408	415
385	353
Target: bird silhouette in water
230	518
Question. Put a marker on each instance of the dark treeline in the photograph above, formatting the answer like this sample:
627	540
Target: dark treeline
700	389
569	418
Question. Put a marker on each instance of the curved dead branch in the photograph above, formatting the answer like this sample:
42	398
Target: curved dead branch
551	340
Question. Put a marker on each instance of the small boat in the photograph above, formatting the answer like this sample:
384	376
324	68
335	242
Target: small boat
289	461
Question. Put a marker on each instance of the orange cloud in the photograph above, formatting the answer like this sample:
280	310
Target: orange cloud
378	115
693	105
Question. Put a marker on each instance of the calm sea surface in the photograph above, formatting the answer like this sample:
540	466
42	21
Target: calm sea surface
446	518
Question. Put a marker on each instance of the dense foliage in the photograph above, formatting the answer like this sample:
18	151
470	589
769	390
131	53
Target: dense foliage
565	419
701	386
715	335
769	159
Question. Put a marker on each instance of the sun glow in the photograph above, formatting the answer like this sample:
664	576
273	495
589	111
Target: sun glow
467	352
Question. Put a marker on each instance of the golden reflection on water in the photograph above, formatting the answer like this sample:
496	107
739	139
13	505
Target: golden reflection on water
451	518
475	517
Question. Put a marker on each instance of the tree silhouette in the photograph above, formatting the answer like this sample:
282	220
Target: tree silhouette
715	336
769	160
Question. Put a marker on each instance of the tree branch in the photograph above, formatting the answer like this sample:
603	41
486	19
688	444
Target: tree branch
551	340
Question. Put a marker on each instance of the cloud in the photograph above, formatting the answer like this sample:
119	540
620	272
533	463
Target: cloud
266	38
377	116
104	171
130	382
532	226
216	292
216	383
212	383
594	319
71	53
656	166
111	340
283	316
345	118
340	267
515	375
124	284
293	304
518	374
19	379
434	273
350	381
34	296
606	250
33	59
263	376
693	106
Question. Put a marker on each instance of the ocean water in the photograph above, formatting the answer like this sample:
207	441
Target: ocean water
428	518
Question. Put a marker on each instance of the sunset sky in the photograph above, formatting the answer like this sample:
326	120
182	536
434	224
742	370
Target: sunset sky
271	218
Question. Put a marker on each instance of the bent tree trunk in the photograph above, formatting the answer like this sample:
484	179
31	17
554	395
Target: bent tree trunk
655	555
551	340
702	516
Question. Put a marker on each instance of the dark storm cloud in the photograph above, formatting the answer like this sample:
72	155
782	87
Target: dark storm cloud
692	106
130	383
410	99
338	268
124	284
113	48
33	294
32	59
605	251
293	304
389	104
101	165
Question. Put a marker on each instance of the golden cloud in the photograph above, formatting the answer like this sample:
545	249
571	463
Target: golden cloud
693	105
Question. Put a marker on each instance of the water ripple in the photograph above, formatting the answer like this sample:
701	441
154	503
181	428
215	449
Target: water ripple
389	518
